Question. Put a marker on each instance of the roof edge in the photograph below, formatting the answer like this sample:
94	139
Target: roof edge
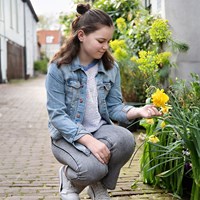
32	9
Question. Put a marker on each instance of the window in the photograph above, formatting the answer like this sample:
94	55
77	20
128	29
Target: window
17	16
1	10
148	5
49	39
14	6
11	14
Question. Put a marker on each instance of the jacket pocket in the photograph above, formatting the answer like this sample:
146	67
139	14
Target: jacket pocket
73	83
106	88
72	90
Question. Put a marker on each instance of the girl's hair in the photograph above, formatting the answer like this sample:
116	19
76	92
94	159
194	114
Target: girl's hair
88	20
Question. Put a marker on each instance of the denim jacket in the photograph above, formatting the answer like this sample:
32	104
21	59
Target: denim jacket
66	97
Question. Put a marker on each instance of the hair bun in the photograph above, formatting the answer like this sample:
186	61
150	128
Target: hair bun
82	8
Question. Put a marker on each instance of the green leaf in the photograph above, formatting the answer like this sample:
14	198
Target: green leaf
171	171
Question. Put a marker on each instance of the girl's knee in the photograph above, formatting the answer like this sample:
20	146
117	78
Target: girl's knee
125	139
123	144
95	171
88	172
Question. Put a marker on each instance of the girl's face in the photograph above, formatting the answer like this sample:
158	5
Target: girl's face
94	45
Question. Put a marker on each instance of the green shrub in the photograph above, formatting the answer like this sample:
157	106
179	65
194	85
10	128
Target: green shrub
41	66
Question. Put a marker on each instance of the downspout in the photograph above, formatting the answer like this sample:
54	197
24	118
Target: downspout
1	48
25	59
0	64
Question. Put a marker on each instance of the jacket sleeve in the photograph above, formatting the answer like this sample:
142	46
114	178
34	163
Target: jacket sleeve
116	108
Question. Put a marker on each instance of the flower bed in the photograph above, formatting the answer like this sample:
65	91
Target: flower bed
172	145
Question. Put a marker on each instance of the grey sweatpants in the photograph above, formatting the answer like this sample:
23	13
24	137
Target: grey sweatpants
85	170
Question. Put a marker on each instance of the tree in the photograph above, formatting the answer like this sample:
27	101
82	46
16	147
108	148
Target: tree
48	22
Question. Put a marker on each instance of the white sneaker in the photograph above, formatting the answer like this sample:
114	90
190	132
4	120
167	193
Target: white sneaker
67	190
98	192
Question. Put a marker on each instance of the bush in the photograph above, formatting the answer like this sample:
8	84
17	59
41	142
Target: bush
41	66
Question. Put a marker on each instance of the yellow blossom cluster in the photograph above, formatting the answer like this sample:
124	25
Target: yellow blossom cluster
120	49
115	44
121	24
149	61
160	31
153	139
163	58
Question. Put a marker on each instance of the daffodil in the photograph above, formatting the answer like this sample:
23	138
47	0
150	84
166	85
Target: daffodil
163	124
150	121
159	98
153	139
165	109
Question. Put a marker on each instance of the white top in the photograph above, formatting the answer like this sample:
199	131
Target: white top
92	118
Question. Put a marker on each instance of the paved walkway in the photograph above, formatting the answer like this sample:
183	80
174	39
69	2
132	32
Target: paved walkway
28	170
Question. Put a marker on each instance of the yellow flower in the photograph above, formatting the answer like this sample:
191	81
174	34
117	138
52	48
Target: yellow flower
159	98
130	16
153	139
133	59
142	54
150	121
121	24
163	58
162	124
165	109
115	44
120	54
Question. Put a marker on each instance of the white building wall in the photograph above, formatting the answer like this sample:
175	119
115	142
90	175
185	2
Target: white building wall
2	40
3	58
12	28
31	41
14	21
183	17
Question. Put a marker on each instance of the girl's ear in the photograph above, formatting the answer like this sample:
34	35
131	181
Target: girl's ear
81	35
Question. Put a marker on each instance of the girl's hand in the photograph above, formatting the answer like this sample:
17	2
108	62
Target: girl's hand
146	111
98	148
149	111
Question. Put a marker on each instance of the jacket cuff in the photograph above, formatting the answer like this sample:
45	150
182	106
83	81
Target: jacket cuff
125	109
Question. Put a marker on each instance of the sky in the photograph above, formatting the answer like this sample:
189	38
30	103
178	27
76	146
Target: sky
52	7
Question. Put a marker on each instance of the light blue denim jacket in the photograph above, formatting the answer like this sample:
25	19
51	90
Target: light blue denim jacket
66	97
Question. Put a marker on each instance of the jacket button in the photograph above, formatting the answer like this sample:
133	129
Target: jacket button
78	115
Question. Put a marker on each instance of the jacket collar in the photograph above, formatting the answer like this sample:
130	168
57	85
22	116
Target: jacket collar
76	65
101	67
